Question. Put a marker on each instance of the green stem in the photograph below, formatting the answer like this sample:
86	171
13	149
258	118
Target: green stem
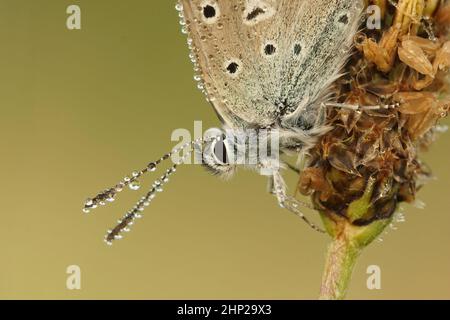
340	261
347	244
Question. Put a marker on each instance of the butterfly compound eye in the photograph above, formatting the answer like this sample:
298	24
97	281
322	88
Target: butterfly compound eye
216	158
220	153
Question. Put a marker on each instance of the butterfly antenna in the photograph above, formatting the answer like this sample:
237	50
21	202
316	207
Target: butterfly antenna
110	194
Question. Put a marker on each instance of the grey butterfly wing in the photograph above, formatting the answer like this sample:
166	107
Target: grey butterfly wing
262	62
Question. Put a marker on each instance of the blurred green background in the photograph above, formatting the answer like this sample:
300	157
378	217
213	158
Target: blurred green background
82	108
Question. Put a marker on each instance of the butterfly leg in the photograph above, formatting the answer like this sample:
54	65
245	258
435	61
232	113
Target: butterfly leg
293	168
271	185
290	203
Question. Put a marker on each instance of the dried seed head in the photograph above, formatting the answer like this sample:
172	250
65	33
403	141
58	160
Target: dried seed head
369	162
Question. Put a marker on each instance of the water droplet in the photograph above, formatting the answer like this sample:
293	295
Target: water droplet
151	167
134	185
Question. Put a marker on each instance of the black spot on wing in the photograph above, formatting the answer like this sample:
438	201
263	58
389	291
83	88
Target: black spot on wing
233	67
209	12
255	13
343	19
270	49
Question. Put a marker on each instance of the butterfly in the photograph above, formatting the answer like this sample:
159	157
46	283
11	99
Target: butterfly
263	65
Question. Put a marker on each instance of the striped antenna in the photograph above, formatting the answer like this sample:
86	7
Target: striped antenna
132	182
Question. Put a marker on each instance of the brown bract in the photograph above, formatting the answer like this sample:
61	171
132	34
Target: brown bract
404	64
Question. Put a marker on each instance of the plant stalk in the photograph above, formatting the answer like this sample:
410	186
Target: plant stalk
348	241
340	261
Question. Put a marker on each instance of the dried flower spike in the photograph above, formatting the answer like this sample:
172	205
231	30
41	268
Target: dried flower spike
361	170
